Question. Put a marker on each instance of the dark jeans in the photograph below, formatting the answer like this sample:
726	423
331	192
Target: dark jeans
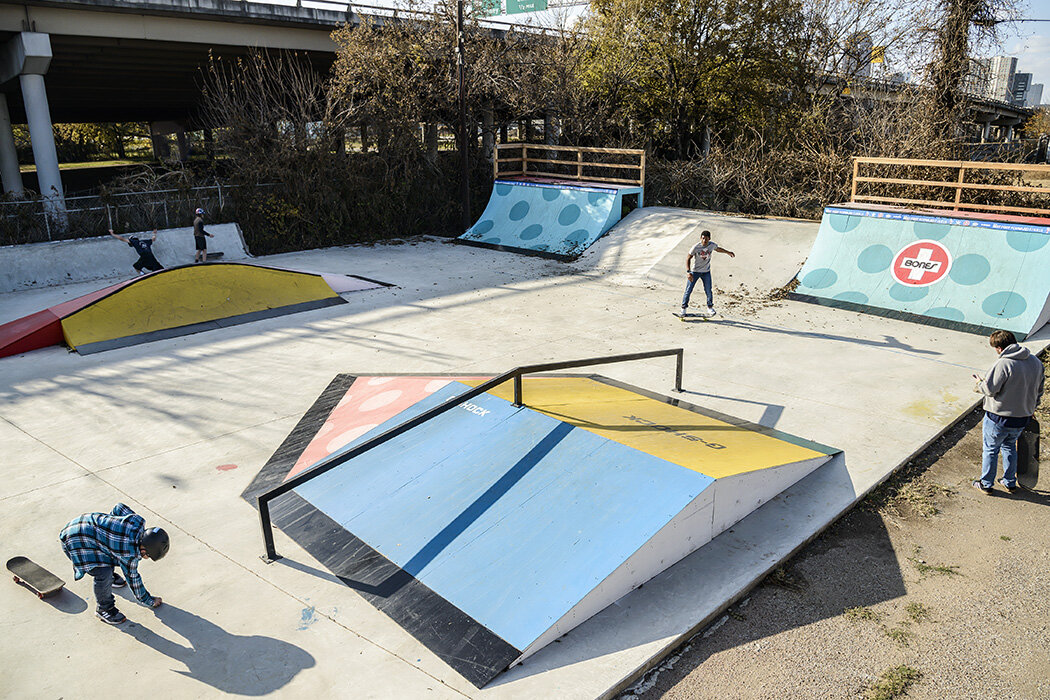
704	277
103	576
149	262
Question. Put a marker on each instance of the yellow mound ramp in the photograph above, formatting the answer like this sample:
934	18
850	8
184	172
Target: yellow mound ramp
189	299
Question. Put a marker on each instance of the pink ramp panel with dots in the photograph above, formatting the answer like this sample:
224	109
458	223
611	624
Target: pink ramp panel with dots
368	403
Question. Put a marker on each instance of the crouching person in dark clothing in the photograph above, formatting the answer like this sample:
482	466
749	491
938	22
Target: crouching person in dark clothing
144	247
98	542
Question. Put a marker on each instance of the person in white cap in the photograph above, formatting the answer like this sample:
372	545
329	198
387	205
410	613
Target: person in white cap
201	252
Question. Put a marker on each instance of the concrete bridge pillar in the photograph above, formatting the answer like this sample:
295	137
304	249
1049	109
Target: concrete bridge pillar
12	177
159	132
38	115
28	56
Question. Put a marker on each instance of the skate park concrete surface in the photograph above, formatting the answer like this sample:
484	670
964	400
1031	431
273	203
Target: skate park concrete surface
176	429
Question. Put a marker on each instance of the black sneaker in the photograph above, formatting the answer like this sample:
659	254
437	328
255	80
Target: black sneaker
978	485
118	580
1012	489
111	616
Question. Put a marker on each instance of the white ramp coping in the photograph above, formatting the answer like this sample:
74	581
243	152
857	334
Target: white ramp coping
50	264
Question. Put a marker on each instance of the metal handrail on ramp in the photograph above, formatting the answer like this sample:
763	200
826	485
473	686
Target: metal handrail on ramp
515	374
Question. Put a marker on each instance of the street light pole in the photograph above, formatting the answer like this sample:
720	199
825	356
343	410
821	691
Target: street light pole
464	150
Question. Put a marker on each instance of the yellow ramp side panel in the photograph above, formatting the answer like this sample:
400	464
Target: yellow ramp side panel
689	439
185	296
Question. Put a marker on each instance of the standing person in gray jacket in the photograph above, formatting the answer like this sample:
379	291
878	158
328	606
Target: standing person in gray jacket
1011	391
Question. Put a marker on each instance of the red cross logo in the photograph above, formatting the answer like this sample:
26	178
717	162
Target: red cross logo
921	263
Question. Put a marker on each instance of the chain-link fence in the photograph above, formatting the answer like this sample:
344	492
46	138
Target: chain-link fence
25	221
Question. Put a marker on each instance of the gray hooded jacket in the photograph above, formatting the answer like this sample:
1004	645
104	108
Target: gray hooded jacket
1014	383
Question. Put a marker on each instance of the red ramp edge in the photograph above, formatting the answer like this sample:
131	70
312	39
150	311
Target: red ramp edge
31	332
44	328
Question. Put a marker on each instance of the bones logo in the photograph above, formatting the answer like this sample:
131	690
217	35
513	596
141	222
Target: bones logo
921	263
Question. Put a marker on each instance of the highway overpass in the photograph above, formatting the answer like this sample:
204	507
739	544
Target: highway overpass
131	60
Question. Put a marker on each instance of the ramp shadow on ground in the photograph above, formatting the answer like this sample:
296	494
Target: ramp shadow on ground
237	664
801	592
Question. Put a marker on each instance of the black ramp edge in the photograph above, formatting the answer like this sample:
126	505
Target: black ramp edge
900	315
278	466
369	279
459	640
521	251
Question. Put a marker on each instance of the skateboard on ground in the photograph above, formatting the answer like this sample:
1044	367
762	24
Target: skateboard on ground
687	316
37	578
212	256
1028	455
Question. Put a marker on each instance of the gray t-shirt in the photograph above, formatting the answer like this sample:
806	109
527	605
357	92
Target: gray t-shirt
702	256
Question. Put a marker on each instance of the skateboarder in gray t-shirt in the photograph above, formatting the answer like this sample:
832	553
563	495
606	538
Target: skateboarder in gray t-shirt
698	267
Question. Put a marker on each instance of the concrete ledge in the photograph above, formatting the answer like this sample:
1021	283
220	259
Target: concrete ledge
84	259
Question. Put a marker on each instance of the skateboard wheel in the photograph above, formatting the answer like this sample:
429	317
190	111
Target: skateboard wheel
17	580
40	596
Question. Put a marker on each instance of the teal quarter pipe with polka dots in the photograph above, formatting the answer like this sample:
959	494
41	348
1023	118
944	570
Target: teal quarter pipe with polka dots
552	219
962	271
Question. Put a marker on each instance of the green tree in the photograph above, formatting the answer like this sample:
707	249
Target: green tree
681	67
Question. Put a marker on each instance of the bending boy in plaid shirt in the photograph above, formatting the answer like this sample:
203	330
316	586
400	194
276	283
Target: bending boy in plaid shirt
97	542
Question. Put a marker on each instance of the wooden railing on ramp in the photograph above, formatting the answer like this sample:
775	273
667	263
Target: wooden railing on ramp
1000	187
615	165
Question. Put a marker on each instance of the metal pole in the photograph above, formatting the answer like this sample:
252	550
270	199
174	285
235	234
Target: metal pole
464	151
679	360
517	390
267	528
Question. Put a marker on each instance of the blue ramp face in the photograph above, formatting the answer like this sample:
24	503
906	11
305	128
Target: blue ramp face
490	530
553	220
964	273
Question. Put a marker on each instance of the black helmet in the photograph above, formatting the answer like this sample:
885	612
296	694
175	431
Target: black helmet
155	542
134	238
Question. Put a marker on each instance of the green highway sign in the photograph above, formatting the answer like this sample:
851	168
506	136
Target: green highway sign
487	8
516	7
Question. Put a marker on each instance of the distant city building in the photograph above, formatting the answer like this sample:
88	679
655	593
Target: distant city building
857	57
1000	77
1022	82
977	79
1035	95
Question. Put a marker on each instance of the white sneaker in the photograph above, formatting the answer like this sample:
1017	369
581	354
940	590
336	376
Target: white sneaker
711	311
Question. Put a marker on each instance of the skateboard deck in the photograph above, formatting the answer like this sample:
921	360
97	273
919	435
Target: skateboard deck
214	255
688	316
35	577
1028	455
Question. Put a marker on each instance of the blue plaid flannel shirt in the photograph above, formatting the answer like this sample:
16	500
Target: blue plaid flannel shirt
100	539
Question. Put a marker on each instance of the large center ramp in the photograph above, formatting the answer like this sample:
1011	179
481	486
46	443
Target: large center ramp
491	530
969	272
548	217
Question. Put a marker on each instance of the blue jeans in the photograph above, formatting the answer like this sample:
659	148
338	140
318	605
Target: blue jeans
704	277
998	437
103	576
